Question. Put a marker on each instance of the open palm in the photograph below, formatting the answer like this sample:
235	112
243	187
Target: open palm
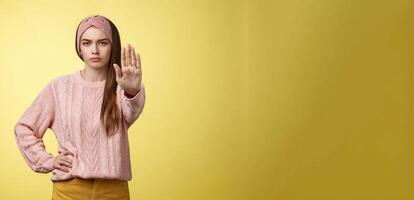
129	75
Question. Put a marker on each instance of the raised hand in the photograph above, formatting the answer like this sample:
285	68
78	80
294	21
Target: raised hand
129	75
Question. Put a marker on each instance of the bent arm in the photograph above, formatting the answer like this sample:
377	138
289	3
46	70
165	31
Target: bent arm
30	129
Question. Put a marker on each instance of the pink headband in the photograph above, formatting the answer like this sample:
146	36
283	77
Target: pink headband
97	21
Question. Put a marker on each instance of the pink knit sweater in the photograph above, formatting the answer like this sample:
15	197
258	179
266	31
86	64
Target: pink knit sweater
70	106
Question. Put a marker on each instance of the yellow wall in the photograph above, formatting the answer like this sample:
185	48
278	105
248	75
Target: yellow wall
293	99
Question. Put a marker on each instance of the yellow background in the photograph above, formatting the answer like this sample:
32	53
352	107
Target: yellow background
308	99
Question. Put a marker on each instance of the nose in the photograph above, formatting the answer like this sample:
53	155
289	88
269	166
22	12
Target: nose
94	49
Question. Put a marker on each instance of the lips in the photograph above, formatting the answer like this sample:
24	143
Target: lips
95	59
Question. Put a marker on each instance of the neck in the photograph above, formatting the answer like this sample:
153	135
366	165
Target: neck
92	74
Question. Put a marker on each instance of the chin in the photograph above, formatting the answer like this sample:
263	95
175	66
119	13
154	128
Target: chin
96	65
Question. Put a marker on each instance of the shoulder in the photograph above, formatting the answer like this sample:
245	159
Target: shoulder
58	84
62	79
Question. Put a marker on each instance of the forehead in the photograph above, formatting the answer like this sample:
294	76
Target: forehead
93	33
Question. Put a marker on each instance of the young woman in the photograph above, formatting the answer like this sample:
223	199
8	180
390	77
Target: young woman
89	112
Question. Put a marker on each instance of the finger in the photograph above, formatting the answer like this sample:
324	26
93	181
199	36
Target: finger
134	58
125	71
123	61
66	163
67	159
139	62
128	55
63	168
118	74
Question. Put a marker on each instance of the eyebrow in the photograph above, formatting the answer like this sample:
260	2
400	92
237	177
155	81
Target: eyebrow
98	40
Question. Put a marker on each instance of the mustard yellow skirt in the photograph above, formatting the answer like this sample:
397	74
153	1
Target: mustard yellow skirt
90	189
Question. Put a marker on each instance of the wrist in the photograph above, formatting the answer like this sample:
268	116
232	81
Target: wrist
130	94
132	91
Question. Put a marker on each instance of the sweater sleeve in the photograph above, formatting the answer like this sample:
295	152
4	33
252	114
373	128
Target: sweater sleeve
31	127
132	107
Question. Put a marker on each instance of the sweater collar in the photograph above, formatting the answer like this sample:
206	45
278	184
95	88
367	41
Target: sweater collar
88	83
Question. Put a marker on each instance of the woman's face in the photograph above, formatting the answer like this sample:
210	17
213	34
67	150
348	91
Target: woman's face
95	48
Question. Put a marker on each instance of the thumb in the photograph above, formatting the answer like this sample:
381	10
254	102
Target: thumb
117	72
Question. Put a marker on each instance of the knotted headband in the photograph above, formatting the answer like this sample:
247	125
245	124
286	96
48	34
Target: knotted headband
97	21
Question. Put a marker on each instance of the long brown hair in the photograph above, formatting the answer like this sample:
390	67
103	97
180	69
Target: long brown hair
109	109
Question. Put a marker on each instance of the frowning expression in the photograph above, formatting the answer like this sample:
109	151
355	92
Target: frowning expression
95	48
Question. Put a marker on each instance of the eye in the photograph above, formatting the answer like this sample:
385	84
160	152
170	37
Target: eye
104	43
85	43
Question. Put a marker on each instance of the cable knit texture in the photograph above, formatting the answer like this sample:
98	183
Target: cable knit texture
70	106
